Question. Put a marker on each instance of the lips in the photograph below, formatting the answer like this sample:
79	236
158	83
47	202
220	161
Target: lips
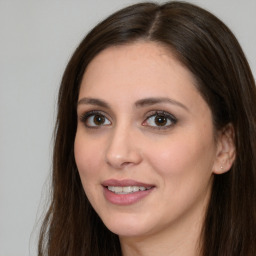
125	183
125	192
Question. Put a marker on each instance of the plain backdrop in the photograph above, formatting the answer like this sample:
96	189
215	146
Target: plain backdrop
37	39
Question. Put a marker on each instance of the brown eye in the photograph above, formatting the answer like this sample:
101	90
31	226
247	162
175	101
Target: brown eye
99	120
92	120
160	120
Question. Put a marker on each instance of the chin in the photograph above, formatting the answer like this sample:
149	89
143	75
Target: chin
129	226
127	231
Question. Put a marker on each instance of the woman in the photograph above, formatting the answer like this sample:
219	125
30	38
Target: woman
155	140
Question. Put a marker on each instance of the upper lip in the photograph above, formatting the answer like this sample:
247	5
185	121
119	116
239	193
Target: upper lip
125	183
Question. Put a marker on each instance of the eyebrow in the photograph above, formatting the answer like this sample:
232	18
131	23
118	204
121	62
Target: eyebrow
153	101
139	103
92	101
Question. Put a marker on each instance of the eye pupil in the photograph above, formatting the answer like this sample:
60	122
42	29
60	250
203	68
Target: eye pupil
98	119
160	120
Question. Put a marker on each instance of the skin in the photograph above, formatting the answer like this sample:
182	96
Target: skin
179	158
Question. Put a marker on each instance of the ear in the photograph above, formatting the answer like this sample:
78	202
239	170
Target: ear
226	151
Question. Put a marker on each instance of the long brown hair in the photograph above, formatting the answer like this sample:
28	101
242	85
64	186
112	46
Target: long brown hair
211	52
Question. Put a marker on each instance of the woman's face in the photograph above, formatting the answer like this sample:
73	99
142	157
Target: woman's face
144	146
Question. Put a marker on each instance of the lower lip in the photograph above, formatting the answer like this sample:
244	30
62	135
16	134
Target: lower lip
125	199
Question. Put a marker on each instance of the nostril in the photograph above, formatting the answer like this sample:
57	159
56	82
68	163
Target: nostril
126	163
122	161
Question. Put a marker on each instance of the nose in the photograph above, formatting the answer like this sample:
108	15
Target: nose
122	149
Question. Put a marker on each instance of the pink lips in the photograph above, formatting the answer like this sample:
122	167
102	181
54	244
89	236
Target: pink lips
125	199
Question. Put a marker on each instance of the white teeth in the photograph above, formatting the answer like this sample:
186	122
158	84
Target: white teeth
126	190
136	189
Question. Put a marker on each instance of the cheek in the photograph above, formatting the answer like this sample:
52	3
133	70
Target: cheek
182	155
87	155
184	170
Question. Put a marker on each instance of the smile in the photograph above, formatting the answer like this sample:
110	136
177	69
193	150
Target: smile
126	192
127	189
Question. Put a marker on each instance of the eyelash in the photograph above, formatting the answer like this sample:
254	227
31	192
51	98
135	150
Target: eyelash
161	114
85	117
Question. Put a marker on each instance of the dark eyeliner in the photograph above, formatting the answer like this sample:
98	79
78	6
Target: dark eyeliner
163	113
167	114
85	116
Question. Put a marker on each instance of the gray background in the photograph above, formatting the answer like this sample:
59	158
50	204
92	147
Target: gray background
37	38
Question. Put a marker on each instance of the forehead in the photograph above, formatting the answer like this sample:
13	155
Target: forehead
133	66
